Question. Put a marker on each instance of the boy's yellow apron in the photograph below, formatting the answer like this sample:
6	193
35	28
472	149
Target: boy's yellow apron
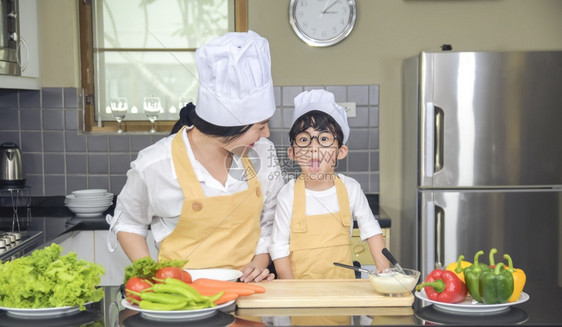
220	231
316	242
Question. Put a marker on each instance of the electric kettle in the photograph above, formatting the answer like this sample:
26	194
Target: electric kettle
11	167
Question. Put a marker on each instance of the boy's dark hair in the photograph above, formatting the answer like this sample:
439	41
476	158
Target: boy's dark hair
189	117
318	120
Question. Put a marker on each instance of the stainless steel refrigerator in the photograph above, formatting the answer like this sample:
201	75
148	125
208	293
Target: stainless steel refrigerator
482	160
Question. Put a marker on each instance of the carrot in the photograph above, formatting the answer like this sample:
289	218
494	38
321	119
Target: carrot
226	297
223	283
211	290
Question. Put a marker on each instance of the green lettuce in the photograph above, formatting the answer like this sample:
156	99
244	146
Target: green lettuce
146	267
45	279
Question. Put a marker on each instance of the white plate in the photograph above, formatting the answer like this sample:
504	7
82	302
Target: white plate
470	306
176	314
215	273
42	312
90	215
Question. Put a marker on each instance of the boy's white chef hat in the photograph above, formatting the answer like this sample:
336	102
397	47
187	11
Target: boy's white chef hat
324	101
235	88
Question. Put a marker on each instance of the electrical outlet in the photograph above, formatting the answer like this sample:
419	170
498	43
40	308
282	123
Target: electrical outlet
349	108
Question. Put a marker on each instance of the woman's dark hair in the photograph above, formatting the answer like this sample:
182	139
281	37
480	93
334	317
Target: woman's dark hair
189	117
318	120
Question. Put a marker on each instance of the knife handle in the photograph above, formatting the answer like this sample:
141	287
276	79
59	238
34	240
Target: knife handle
389	256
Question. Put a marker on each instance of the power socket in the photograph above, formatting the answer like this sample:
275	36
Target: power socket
349	108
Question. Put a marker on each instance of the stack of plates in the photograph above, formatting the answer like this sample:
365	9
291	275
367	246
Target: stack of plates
89	203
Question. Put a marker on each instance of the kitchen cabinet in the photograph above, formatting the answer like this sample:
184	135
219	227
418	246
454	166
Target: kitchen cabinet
29	50
91	245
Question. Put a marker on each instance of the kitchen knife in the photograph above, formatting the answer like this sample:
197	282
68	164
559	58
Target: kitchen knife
393	260
351	267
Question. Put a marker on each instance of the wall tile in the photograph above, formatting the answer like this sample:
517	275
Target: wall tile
8	99
10	137
358	161
374	116
341	165
30	99
30	119
32	163
374	185
119	163
358	139
288	94
277	94
276	121
52	97
55	185
70	97
36	184
71	119
276	136
314	87
75	142
339	91
363	179
374	138
74	183
98	163
53	141
358	94
374	95
375	161
54	164
98	181
31	142
53	119
97	143
140	142
362	118
287	118
9	119
119	143
117	183
76	163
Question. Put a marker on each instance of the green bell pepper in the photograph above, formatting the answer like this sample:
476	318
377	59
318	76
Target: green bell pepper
496	286
472	276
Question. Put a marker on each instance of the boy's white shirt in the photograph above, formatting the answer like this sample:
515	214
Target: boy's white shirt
320	202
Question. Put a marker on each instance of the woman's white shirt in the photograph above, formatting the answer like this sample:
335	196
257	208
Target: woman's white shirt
321	202
152	195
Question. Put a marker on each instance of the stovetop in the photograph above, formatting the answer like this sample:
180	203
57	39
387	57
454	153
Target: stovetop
16	244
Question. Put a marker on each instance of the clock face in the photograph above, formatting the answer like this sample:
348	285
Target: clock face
322	22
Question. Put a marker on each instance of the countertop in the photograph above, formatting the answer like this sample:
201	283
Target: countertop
543	307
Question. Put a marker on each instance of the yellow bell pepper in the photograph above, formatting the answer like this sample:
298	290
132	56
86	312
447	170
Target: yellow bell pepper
458	267
519	279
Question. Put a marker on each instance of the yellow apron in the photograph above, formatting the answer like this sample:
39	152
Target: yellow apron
219	231
317	241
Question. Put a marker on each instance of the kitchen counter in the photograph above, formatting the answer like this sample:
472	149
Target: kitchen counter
543	307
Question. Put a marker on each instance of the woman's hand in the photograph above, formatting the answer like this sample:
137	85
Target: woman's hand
256	270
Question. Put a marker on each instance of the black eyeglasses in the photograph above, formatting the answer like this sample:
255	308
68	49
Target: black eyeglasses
324	138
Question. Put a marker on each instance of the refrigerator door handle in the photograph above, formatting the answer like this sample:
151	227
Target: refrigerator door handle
438	147
439	237
428	143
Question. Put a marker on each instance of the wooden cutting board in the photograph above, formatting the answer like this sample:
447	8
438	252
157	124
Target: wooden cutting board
310	293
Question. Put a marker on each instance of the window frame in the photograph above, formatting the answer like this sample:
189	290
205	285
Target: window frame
87	72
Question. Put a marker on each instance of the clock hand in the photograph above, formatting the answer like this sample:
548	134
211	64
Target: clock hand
330	6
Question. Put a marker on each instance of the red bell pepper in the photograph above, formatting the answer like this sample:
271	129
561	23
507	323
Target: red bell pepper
443	286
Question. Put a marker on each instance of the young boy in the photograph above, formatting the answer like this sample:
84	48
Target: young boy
315	212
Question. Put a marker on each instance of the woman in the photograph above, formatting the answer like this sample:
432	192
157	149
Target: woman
199	190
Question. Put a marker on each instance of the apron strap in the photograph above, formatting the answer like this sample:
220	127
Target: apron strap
343	202
184	169
298	221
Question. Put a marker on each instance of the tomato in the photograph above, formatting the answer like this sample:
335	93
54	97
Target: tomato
185	276
136	284
168	272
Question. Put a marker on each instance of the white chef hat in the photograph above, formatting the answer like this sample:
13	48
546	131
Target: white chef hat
235	88
324	101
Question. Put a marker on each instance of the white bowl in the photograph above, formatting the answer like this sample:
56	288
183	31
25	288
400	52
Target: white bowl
90	192
215	273
391	282
83	209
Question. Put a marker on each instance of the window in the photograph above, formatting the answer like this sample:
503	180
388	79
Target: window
143	50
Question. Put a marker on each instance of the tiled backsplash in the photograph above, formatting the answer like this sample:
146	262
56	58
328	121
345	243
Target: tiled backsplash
59	158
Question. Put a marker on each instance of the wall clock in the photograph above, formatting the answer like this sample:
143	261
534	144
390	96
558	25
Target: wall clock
321	23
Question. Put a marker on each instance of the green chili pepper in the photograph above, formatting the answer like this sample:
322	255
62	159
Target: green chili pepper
496	286
472	276
149	305
163	298
186	288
